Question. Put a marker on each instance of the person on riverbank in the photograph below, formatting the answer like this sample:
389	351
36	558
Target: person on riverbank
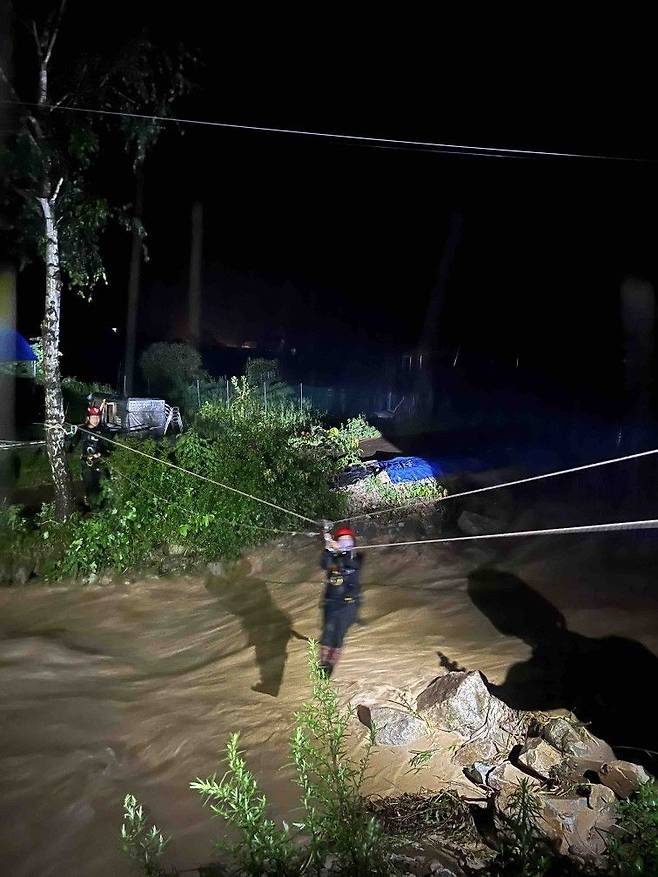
342	594
92	449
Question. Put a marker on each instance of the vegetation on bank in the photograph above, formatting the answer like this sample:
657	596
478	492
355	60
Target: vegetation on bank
277	452
250	433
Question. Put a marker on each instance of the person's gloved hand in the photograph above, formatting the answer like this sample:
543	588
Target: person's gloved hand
329	543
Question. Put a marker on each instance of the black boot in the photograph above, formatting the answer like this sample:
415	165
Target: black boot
326	670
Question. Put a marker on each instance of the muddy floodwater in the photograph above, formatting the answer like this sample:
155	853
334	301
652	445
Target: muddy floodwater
135	686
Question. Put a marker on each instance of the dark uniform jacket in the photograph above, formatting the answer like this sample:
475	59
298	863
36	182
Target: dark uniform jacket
90	443
342	583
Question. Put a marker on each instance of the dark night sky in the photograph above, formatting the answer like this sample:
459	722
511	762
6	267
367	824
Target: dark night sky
342	243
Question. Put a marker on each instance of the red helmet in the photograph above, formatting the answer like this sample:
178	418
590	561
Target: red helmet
343	531
92	411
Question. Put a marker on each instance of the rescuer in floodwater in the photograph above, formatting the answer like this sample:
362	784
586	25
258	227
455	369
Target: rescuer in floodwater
342	594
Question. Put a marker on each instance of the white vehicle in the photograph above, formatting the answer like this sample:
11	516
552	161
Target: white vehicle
138	415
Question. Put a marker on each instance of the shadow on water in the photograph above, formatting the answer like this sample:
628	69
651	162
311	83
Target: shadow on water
268	628
607	682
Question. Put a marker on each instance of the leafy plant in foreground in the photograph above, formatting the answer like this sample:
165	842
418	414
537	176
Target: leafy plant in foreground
336	823
633	848
524	850
262	847
142	844
336	818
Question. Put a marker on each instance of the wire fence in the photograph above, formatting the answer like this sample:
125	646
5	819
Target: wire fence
337	401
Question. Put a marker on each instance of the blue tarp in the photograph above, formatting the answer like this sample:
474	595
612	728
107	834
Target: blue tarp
401	469
405	469
13	347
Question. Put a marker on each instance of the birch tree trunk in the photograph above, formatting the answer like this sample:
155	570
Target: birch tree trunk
55	437
54	403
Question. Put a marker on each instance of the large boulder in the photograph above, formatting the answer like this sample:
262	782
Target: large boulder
575	741
461	702
622	777
539	758
577	827
507	775
602	799
392	727
559	818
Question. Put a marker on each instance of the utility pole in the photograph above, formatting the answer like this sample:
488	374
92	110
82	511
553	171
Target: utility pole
196	257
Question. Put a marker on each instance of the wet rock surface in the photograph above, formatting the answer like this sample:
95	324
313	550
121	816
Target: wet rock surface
503	750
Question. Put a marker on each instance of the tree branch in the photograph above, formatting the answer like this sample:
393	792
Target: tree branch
51	44
36	39
60	101
57	188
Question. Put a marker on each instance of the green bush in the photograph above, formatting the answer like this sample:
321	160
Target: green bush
13	530
259	371
336	817
142	844
371	494
246	411
633	848
202	389
341	443
11	520
281	454
262	847
305	432
146	505
265	377
359	428
25	539
336	821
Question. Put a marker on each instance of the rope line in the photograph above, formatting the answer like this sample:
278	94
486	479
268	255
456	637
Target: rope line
200	477
504	484
587	528
553	531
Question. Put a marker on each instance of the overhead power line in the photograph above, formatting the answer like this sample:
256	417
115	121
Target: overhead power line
364	140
